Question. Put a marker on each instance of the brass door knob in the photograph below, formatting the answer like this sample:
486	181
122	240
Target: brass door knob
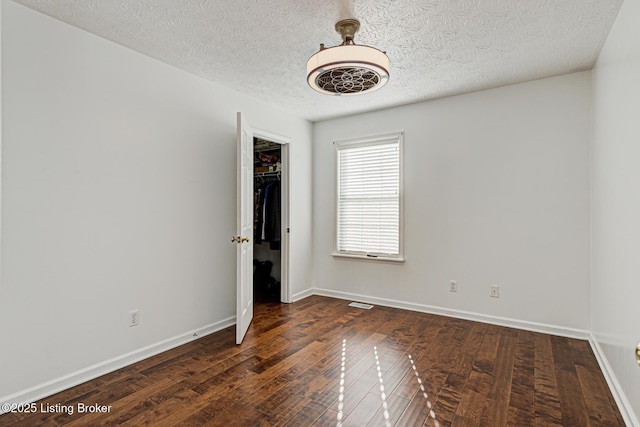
638	354
235	239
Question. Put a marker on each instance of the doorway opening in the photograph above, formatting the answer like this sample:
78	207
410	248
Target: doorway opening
271	218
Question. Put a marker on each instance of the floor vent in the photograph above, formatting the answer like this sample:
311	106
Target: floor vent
361	305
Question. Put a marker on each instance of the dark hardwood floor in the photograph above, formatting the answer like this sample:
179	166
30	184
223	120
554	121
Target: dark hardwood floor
318	362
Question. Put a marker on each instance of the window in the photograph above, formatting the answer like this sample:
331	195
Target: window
369	198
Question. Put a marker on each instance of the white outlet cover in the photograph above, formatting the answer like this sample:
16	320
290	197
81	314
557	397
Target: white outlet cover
134	318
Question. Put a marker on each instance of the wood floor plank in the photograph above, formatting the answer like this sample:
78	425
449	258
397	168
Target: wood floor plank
395	408
522	387
307	416
572	402
241	414
8	419
471	407
583	354
195	420
547	398
167	411
434	371
502	376
596	397
328	418
416	413
574	410
129	406
364	411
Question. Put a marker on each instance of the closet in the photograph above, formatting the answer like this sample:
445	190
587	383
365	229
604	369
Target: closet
267	230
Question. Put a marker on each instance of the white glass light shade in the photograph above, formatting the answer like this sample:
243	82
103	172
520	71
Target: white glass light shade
348	70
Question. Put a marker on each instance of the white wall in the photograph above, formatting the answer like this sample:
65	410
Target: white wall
615	202
496	193
118	193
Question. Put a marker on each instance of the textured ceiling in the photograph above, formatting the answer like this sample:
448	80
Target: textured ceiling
436	47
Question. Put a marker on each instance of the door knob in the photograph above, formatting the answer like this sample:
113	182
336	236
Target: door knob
638	354
235	239
244	239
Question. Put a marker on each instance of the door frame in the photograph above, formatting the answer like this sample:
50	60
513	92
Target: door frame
285	189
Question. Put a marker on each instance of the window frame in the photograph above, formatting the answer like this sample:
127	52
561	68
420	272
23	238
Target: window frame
395	137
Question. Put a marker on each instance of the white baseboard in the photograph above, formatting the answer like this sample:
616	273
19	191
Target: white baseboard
304	294
57	385
459	314
618	394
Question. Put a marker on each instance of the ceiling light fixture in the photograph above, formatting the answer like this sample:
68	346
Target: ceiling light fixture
347	69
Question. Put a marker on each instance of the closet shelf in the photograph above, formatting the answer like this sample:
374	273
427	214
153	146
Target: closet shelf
260	150
272	173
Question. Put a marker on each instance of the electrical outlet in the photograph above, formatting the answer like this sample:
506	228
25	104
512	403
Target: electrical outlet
453	286
494	291
134	318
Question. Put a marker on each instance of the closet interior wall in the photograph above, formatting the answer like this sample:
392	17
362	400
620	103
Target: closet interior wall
267	218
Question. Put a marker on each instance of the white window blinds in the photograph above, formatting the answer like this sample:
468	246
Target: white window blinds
369	181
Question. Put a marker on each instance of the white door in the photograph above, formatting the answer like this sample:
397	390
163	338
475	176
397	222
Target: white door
244	234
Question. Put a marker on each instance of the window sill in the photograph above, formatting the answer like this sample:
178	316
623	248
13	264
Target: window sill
359	257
